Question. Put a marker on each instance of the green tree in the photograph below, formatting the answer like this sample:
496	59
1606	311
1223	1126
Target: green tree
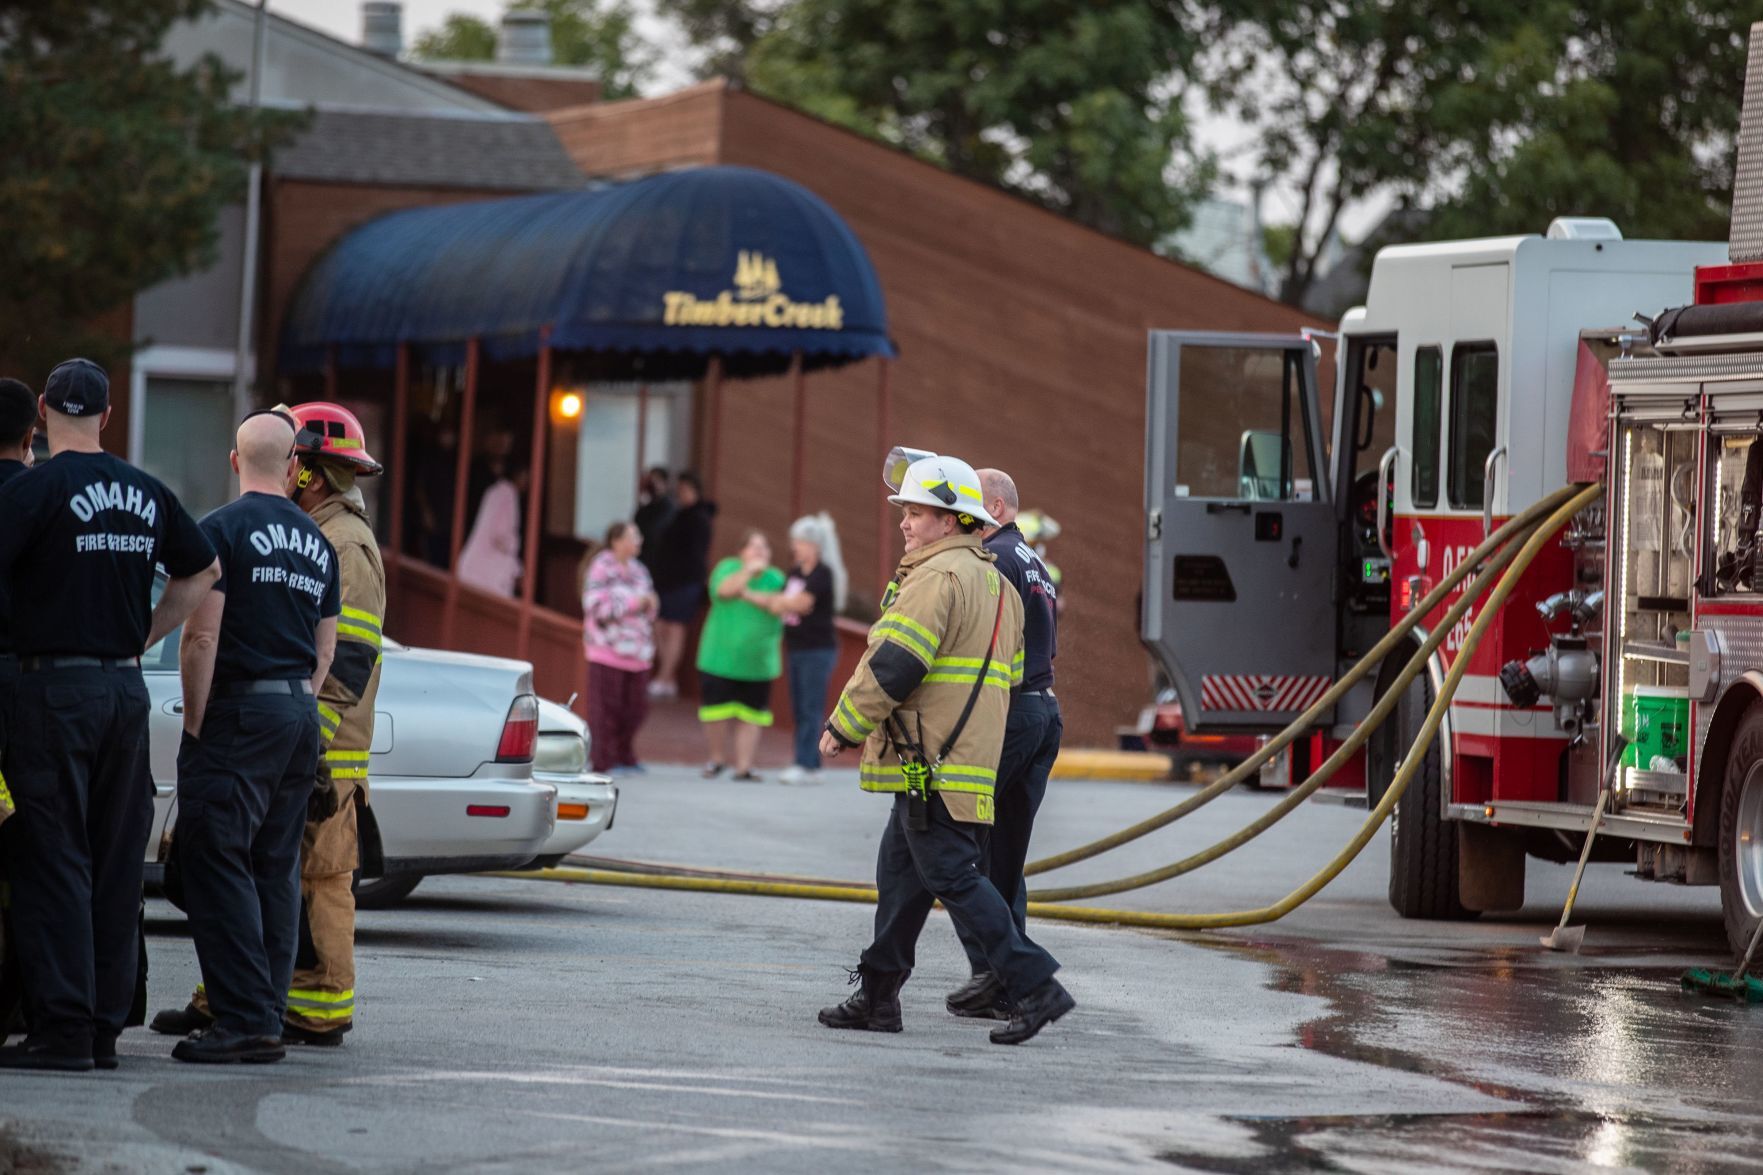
1496	116
1339	92
461	37
600	34
1076	106
115	166
1619	108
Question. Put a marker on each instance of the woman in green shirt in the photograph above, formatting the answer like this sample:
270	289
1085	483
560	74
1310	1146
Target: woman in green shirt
739	656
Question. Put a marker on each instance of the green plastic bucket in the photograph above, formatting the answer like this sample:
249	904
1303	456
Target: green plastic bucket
1655	721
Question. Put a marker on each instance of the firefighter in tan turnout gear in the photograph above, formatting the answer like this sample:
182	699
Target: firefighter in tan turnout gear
332	453
927	704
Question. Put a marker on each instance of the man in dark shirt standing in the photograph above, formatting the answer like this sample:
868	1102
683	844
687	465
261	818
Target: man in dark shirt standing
252	658
83	532
18	428
1031	739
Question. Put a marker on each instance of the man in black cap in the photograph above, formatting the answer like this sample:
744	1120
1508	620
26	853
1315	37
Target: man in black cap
83	532
18	428
252	658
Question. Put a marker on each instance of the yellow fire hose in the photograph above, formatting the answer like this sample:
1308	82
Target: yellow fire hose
1251	767
1386	705
1575	501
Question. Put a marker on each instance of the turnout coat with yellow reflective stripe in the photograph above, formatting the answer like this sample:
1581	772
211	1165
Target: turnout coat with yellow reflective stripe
924	655
345	702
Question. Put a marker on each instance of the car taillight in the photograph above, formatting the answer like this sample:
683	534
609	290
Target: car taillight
521	732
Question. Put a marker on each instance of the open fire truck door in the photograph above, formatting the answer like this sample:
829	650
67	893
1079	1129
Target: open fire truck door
1241	533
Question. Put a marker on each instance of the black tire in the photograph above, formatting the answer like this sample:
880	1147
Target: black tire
385	892
1423	845
1744	771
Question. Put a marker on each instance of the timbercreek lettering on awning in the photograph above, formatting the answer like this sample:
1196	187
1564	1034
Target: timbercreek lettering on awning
659	273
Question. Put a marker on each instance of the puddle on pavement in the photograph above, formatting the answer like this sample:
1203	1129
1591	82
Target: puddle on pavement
1613	1068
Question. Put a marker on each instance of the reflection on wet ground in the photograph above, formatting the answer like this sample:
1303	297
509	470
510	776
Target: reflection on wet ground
1614	1068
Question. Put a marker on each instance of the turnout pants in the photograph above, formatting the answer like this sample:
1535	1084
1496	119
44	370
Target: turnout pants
322	997
85	805
242	793
915	869
1031	744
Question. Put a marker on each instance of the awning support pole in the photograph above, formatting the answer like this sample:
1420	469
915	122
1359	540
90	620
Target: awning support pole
535	489
884	535
461	474
713	411
400	438
799	437
642	430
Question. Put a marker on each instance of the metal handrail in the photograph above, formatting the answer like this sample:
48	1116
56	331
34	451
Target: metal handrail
1487	489
1383	500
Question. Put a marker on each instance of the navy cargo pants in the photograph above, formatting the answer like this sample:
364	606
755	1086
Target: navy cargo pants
1031	744
77	769
242	793
913	870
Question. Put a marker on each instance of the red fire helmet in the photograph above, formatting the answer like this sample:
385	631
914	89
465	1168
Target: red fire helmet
331	432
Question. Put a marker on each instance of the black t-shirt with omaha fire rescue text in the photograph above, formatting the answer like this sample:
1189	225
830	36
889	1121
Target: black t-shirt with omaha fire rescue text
280	577
79	536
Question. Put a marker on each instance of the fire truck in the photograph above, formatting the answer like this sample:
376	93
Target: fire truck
1287	533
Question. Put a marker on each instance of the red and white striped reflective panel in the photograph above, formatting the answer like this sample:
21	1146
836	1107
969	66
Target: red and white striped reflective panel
1260	691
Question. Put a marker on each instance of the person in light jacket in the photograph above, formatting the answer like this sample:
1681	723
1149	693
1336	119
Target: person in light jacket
618	632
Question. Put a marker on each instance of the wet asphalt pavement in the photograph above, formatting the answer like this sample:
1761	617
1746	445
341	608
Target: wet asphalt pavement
520	1025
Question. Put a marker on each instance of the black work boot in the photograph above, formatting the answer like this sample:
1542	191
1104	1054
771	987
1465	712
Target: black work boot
1040	1008
981	998
873	1007
295	1034
181	1022
58	1055
218	1046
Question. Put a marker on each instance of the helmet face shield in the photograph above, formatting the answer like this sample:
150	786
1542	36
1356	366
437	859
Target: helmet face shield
899	460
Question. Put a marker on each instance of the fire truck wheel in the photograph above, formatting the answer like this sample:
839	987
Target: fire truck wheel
1423	845
1741	831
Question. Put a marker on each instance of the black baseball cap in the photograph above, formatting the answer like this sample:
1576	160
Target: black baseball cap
78	387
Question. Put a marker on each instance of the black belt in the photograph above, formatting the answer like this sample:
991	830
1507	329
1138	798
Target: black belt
239	689
1038	693
37	664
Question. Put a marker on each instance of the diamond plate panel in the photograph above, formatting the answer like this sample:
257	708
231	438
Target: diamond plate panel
1745	242
1743	637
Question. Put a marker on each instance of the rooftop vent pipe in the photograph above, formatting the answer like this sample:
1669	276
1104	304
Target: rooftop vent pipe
525	39
382	27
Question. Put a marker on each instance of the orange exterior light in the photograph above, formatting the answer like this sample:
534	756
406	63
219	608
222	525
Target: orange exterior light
566	407
572	811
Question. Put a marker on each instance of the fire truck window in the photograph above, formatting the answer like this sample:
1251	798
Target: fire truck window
1429	379
1736	515
1474	413
1242	432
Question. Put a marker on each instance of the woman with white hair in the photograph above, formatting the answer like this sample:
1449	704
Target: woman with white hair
814	594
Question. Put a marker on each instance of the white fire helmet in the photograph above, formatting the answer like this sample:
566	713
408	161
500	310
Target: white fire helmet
945	483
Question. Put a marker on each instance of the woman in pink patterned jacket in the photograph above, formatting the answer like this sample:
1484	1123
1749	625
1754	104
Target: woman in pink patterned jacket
618	631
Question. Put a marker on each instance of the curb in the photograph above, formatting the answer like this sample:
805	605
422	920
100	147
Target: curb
1139	766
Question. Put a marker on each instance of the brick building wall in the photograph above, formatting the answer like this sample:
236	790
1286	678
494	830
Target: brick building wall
1022	345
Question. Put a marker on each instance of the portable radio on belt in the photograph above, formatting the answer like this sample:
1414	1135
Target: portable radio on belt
917	771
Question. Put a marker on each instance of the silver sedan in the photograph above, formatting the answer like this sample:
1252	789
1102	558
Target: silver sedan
452	781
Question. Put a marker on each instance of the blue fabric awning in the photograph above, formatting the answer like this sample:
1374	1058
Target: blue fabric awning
667	271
